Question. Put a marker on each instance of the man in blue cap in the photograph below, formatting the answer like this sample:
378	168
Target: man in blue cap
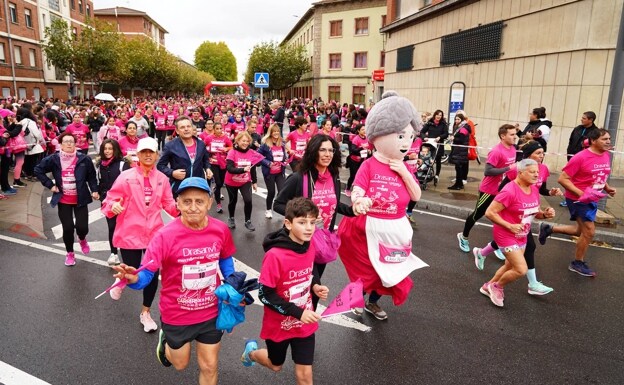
190	250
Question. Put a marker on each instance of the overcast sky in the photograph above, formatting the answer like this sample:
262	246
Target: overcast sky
239	23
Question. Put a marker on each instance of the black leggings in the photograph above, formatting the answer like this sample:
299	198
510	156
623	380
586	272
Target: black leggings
112	223
160	136
353	169
245	191
461	170
483	203
30	161
219	178
5	164
132	257
529	252
66	214
438	159
271	181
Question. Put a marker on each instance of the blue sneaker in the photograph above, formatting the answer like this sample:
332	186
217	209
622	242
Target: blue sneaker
464	245
479	258
580	267
250	346
499	254
563	203
539	288
10	191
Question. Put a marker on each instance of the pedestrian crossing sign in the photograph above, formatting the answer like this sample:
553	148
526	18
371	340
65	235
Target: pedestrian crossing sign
261	80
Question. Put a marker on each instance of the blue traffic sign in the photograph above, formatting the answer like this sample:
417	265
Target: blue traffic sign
261	80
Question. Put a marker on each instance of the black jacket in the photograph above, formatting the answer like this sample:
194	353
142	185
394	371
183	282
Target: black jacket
459	154
175	156
95	123
279	116
108	174
293	187
431	130
86	180
577	136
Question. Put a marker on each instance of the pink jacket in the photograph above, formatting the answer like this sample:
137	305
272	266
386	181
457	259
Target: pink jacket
137	222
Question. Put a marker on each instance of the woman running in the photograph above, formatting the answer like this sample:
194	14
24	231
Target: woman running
274	165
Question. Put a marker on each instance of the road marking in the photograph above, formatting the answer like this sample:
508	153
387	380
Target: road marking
10	375
51	250
94	215
93	245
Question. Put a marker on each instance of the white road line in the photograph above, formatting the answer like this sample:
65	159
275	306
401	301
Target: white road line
93	245
51	250
10	375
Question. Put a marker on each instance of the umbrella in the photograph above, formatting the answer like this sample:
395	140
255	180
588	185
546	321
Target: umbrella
4	112
105	97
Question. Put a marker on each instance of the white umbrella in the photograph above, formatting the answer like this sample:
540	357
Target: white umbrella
105	97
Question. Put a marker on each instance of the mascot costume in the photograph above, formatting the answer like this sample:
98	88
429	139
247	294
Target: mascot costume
377	247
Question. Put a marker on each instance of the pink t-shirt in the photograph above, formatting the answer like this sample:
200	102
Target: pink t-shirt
237	127
324	197
170	122
192	151
499	157
412	164
147	190
81	132
112	132
217	148
291	276
587	169
129	147
159	121
385	187
241	160
298	142
278	159
331	134
520	207
544	173
68	184
204	137
189	262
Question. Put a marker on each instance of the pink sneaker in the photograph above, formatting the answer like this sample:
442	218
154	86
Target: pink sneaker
70	259
348	192
148	323
485	290
84	246
115	292
497	295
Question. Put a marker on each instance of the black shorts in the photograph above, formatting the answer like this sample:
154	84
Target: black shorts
204	332
302	350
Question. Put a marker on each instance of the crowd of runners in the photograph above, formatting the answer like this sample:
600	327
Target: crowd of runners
181	155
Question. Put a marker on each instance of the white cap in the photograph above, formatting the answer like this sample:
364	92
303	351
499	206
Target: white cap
147	144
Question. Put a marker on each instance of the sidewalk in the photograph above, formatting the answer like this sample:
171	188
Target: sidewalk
22	212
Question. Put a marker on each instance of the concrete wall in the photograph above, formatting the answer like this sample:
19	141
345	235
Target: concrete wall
556	53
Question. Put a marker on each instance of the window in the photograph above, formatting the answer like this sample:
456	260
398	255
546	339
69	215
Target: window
72	4
13	12
334	93
59	74
28	18
335	61
21	92
88	10
54	5
36	93
50	93
383	21
74	33
335	28
80	6
32	55
405	58
17	50
2	57
359	94
382	59
359	60
473	45
6	92
361	26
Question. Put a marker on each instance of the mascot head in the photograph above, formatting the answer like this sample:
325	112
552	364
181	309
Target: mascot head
392	124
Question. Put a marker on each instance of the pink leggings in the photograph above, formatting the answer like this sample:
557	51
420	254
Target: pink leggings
19	163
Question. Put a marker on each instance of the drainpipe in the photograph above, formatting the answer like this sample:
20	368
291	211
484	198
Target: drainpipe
11	52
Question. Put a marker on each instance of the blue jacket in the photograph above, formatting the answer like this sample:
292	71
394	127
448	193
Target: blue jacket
265	151
86	179
175	156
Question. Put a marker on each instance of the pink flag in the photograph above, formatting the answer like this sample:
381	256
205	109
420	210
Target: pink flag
351	296
256	157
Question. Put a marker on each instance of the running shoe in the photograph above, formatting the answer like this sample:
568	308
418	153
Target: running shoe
485	290
219	208
2	196
499	254
249	226
580	267
358	310
160	350
479	258
148	323
544	232
84	246
19	183
222	197
70	259
464	245
563	203
497	294
231	223
10	191
539	288
268	214
348	192
115	293
250	346
113	260
376	310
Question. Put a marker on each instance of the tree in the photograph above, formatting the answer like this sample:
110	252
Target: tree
286	64
216	59
92	55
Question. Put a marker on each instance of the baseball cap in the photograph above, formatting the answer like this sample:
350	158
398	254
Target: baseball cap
194	182
147	144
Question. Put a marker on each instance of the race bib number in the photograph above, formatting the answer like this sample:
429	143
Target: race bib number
197	277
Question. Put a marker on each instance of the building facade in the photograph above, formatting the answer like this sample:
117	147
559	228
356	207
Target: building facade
344	46
512	56
133	23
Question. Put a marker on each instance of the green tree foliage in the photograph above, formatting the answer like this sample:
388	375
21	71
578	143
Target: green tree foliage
217	59
286	64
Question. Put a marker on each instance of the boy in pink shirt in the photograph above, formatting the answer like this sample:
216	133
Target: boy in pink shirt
287	279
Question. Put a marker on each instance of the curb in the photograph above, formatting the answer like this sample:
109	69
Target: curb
32	225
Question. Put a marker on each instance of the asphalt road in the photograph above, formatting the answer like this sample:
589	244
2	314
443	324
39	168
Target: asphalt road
446	333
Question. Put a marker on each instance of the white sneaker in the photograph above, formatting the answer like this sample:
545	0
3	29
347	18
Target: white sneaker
268	214
113	260
148	323
115	293
464	181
